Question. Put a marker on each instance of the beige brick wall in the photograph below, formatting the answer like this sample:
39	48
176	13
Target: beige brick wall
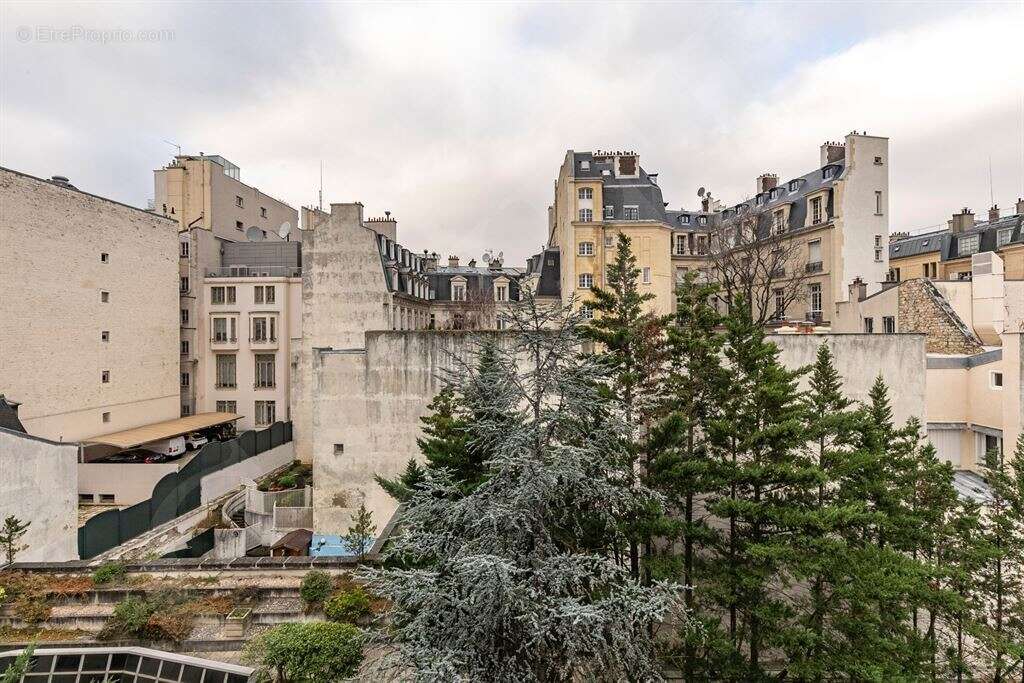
51	315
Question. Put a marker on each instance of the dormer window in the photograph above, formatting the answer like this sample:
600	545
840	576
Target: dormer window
703	220
684	220
631	213
968	245
828	173
609	213
793	184
775	193
759	200
584	165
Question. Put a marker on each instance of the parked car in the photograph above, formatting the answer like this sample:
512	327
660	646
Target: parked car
159	457
172	446
133	455
195	441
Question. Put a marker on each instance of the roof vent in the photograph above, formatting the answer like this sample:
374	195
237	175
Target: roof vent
61	180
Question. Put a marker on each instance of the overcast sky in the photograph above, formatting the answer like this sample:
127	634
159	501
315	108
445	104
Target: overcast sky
456	117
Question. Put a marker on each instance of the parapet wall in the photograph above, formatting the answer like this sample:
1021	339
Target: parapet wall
368	403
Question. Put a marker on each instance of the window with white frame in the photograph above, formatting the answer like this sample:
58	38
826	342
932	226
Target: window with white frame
264	329
609	213
224	330
681	272
780	303
586	249
828	172
817	214
227	406
586	280
239	202
264	371
184	316
584	165
968	245
586	193
266	413
263	294
226	370
586	215
631	213
702	220
779	221
609	240
878	202
889	324
647	275
458	289
680	245
185	380
684	220
815	289
501	291
996	380
869	325
793	185
184	347
1003	236
814	252
183	286
586	312
183	249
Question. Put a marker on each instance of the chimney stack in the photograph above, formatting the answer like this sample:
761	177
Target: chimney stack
453	261
993	213
1020	206
961	221
832	152
766	181
858	289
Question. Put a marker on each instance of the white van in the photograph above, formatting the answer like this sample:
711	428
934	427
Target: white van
173	446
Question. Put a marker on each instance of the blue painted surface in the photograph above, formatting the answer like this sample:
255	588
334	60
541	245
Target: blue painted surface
330	545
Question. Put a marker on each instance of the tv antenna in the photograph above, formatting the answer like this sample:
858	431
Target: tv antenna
175	145
701	192
321	204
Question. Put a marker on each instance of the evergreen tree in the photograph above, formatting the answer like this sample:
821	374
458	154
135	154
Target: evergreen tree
757	436
1001	576
10	537
362	532
630	343
401	487
514	589
681	469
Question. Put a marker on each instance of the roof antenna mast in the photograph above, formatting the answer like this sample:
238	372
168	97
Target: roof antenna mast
321	185
174	144
991	191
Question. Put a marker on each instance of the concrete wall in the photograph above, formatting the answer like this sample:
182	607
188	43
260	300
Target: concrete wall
52	276
365	418
860	223
129	483
220	482
38	485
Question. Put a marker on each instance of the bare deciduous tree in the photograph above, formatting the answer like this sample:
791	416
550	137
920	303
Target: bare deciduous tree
752	255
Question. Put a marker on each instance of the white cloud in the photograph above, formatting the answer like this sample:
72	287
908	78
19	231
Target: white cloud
456	117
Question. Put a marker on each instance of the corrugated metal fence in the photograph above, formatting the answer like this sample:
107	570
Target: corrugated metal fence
177	493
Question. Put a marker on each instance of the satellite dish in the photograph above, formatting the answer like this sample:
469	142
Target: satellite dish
700	192
486	258
501	255
283	231
254	234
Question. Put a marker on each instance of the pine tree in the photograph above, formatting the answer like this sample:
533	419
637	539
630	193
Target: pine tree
631	344
757	437
10	537
681	469
515	588
401	487
362	532
1002	574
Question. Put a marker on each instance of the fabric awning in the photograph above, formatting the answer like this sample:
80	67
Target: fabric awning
130	438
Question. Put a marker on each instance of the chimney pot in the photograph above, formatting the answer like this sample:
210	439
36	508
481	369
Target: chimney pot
993	213
453	261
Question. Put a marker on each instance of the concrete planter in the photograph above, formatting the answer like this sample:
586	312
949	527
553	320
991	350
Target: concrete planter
237	622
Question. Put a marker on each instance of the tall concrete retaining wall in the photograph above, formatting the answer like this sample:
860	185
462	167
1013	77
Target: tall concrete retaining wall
368	403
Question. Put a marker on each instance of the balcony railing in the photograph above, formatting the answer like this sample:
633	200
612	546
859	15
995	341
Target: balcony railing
223	340
255	271
815	267
263	340
225	385
264	385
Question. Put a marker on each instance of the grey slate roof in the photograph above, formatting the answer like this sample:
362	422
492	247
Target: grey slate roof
948	244
548	265
479	282
9	416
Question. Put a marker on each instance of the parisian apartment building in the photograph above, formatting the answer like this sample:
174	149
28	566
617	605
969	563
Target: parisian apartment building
205	195
90	333
834	217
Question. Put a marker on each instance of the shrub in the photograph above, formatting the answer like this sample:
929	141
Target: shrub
287	481
108	572
308	652
348	606
163	615
315	588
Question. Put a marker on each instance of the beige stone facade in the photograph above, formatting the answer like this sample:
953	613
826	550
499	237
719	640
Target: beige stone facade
832	223
207	197
90	333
